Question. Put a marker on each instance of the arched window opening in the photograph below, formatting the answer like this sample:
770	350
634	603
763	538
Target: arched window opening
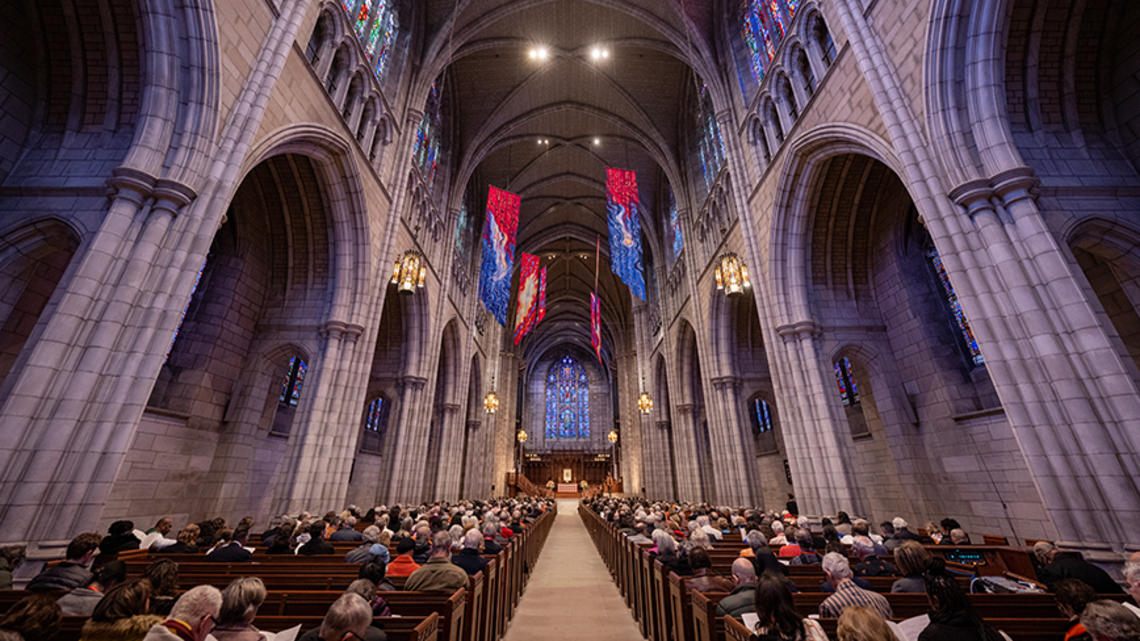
806	74
365	120
567	400
710	146
762	142
774	122
425	154
350	100
823	39
375	423
763	425
186	308
336	70
970	344
789	98
317	40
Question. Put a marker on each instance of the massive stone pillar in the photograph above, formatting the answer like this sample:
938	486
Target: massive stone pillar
685	454
737	449
450	455
404	470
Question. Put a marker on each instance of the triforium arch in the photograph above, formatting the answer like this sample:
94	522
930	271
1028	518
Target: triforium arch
444	449
691	417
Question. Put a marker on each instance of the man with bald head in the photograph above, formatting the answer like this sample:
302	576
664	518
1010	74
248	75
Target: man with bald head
743	596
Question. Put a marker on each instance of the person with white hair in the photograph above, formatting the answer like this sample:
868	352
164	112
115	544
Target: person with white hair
901	532
699	539
1132	578
703	522
192	617
347	531
1107	620
778	537
863	549
349	618
1055	564
370	549
469	557
847	593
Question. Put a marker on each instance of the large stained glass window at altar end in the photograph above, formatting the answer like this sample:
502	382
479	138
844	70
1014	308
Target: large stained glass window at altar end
567	400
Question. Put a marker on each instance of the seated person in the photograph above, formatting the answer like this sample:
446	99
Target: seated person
228	549
847	593
186	542
403	564
807	555
347	531
868	564
1072	596
370	549
438	574
704	579
860	623
1056	565
72	572
911	562
469	557
81	601
958	536
349	618
241	600
743	596
1108	620
377	573
32	617
778	619
122	614
316	543
120	538
952	617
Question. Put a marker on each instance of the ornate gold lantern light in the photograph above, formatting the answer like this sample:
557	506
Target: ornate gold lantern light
409	273
732	275
521	436
645	403
491	402
612	436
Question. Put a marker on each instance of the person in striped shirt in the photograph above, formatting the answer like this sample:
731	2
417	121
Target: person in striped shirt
847	594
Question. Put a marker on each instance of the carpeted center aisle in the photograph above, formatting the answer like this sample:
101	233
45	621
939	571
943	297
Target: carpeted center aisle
571	594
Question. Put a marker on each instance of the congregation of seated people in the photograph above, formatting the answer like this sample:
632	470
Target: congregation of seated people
437	548
849	553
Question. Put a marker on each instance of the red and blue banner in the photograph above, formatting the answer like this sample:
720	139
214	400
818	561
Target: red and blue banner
596	325
625	229
527	311
541	297
499	231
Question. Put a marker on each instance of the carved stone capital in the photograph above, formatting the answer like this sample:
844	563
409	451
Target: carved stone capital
1014	185
411	383
685	409
800	330
725	383
131	184
171	196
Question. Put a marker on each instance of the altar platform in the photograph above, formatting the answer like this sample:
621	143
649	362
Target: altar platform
566	491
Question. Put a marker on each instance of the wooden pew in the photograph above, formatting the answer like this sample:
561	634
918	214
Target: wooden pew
419	628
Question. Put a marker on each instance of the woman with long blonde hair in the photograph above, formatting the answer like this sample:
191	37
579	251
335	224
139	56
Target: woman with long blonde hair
860	623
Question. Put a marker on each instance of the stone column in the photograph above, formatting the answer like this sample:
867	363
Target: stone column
450	455
474	483
403	475
685	454
736	461
665	486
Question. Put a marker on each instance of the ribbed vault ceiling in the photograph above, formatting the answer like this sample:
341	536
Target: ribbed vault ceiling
623	111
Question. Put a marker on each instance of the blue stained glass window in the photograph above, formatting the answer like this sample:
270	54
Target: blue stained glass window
676	235
710	147
567	400
425	154
182	317
294	378
761	416
845	379
377	24
375	419
763	25
955	306
384	42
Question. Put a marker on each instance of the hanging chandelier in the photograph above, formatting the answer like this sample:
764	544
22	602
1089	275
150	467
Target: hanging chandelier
409	273
521	436
491	402
732	275
645	403
612	436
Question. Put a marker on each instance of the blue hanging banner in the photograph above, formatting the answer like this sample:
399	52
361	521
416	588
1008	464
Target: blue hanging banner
625	229
499	230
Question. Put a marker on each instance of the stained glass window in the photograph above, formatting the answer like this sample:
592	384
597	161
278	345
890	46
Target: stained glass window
377	24
845	379
710	147
375	419
763	25
294	378
426	151
761	415
567	400
676	235
955	306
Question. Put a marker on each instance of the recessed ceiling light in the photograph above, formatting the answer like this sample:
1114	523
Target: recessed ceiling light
597	141
599	53
539	53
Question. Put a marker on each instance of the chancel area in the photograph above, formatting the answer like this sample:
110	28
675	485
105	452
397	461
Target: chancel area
503	320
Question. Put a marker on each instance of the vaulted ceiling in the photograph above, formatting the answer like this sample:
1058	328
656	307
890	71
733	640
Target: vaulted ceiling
547	127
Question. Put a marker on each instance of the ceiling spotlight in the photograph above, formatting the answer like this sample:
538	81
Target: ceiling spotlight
599	53
597	141
539	53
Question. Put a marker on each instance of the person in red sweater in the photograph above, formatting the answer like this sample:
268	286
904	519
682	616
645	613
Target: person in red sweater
403	564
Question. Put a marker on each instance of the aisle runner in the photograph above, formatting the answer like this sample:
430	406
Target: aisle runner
570	594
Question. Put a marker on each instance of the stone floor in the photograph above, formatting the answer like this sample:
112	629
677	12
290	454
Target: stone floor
570	594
